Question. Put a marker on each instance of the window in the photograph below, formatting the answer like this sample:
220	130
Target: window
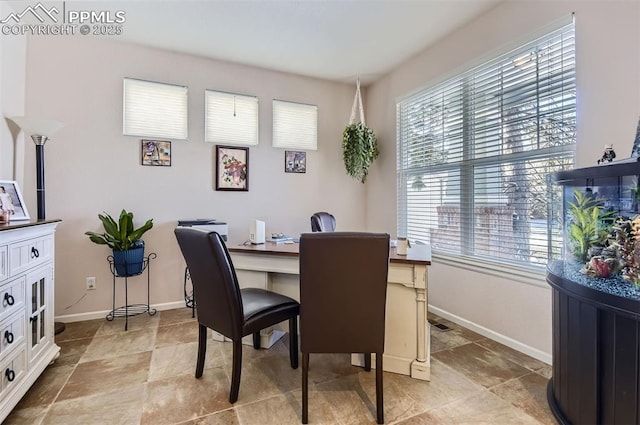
474	153
231	118
295	125
154	110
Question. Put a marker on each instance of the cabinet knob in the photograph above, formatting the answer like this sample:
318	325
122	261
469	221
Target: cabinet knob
8	336
8	298
34	252
10	374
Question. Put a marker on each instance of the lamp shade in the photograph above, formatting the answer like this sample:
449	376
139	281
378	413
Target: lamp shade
37	126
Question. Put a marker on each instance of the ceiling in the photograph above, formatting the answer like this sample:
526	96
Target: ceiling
331	39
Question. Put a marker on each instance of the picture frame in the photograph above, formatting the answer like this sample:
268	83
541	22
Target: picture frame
232	168
11	200
295	162
155	152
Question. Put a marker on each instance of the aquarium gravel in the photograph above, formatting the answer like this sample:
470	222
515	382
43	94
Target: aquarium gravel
614	285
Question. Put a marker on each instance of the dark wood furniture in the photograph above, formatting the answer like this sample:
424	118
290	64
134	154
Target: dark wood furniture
227	309
343	292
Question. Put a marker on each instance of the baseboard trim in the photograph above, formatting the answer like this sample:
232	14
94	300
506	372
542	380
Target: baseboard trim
92	315
503	339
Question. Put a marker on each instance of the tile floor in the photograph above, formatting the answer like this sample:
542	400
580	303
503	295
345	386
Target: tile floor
145	376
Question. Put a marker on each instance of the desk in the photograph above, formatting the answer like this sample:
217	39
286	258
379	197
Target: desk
407	333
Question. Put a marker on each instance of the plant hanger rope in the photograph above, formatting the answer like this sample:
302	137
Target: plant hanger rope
359	145
357	101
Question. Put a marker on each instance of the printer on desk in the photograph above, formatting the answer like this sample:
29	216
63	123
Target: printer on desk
207	225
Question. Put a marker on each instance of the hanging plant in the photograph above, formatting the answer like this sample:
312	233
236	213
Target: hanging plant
359	149
359	143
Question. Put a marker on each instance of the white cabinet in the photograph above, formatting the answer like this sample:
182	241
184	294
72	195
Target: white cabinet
27	343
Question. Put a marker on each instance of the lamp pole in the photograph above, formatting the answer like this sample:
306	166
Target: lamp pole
40	141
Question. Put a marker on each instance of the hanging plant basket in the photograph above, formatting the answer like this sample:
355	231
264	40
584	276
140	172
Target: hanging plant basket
359	149
359	143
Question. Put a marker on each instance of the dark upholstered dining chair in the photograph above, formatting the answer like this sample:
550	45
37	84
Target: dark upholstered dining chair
227	309
323	222
343	291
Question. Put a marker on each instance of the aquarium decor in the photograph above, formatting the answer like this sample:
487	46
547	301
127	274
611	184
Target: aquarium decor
606	246
587	224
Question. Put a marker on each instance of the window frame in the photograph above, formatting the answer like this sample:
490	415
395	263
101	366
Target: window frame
467	164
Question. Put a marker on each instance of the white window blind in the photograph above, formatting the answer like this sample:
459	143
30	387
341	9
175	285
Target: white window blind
231	118
155	110
474	153
295	125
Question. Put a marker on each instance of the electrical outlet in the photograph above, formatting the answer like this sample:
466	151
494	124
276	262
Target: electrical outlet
91	283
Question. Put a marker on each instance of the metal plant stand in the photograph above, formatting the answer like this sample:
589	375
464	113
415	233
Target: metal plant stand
130	309
189	297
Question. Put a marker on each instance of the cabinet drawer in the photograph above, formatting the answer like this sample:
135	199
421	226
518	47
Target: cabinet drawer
29	253
12	333
13	370
12	297
402	274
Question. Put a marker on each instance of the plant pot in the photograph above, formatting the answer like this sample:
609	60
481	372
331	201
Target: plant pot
129	262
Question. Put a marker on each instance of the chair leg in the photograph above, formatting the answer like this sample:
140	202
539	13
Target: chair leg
305	388
256	340
379	392
293	342
367	362
202	349
236	369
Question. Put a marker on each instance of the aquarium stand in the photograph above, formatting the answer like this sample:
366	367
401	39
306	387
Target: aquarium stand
596	355
127	309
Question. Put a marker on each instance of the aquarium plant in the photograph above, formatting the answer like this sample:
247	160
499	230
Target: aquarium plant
587	225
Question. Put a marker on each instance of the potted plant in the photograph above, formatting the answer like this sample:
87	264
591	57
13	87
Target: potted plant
359	149
124	240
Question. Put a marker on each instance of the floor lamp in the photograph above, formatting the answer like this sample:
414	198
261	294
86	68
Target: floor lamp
40	130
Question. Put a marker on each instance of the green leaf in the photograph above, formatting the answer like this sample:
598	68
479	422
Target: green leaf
119	235
359	149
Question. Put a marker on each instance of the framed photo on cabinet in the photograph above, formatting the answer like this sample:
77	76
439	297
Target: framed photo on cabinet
11	201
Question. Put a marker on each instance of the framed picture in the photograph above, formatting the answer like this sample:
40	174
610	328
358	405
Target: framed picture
232	168
295	162
156	152
11	200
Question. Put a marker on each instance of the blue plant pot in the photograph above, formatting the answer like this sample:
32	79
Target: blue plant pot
130	262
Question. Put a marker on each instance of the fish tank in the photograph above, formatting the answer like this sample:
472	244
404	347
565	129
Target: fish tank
597	215
594	275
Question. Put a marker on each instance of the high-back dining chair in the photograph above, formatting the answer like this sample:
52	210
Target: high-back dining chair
227	309
323	222
343	292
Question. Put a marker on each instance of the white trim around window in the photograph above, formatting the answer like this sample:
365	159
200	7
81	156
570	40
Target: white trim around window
474	152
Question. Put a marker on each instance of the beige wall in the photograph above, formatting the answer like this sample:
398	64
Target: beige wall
608	78
12	88
91	167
